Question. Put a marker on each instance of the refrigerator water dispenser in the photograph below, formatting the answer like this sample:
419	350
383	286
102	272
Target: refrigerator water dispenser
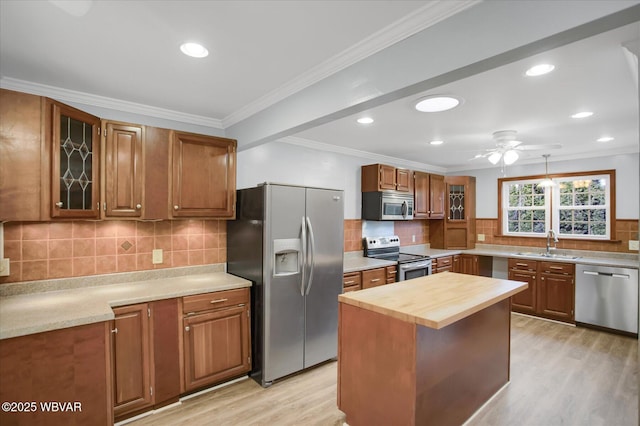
287	256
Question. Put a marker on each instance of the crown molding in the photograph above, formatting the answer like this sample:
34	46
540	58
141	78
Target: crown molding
424	17
321	146
105	102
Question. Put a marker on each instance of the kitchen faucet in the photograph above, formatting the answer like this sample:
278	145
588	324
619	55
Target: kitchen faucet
551	234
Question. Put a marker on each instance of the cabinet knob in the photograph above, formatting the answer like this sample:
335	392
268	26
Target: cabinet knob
115	330
187	328
138	206
176	207
59	204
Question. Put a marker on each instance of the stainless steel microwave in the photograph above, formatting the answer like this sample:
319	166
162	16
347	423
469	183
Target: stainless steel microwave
387	206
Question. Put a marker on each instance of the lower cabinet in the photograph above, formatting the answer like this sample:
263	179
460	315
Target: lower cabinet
351	281
551	289
145	357
216	339
441	264
374	277
132	366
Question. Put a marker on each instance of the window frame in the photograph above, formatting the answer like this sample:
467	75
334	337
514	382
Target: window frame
552	197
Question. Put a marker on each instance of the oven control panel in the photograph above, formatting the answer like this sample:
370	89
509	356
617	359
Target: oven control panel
382	242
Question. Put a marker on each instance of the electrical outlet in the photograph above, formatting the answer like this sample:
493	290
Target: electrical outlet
633	245
480	237
413	238
4	267
156	256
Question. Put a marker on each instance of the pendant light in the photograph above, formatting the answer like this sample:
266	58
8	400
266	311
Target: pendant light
546	182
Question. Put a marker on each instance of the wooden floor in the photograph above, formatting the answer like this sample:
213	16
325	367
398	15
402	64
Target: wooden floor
560	375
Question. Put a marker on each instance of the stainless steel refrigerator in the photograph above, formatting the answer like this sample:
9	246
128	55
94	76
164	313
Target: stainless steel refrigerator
288	240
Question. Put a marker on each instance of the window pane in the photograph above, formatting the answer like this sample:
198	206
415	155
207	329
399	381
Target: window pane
538	227
526	227
597	215
539	215
513	226
566	200
597	199
581	228
598	229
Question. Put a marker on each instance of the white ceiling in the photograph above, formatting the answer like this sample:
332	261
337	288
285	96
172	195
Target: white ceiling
262	51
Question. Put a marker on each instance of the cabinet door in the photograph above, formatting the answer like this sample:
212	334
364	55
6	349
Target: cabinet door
387	177
216	346
421	195
555	296
469	264
403	180
131	359
203	176
436	196
351	281
123	170
526	300
374	277
75	159
21	157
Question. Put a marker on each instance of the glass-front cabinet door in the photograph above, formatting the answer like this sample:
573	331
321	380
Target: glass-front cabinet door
457	208
75	148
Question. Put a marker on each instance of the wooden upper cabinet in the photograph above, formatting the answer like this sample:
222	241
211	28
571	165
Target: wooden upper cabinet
23	159
381	177
73	139
203	176
123	169
387	178
428	195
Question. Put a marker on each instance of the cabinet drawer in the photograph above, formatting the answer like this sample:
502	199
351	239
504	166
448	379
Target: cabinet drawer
557	268
392	272
523	264
215	300
351	279
373	277
442	269
444	261
352	288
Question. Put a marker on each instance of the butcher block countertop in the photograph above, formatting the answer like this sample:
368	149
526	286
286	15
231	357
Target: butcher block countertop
31	313
434	301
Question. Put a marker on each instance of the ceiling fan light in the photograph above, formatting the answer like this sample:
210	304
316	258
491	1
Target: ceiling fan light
510	157
494	158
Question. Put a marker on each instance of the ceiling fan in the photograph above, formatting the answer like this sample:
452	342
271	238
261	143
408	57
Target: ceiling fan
508	147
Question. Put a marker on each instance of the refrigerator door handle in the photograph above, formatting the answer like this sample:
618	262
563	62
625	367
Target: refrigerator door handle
303	258
313	252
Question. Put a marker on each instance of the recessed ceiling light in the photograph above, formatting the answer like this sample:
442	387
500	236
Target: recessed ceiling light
194	50
539	70
365	120
436	142
437	103
605	139
583	114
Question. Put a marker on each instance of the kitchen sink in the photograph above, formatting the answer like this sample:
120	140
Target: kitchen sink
548	256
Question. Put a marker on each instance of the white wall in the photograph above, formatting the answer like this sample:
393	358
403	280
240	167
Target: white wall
286	163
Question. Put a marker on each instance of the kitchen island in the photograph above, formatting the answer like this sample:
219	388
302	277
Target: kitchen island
431	350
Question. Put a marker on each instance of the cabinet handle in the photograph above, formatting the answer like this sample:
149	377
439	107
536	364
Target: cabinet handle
219	300
349	282
375	280
556	267
115	330
138	206
522	264
176	207
59	204
392	272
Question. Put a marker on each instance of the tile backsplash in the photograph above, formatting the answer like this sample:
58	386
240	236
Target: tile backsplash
48	250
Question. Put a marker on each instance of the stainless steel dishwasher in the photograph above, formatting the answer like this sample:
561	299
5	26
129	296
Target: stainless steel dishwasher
607	297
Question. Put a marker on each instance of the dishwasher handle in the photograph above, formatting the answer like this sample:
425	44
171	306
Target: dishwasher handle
607	274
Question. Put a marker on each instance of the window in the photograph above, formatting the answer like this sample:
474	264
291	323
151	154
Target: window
578	206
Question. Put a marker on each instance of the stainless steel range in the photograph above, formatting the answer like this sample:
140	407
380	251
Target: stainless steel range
388	248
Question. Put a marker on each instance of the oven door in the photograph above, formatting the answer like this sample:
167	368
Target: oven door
416	269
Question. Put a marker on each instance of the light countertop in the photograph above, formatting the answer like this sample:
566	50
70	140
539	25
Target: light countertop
36	312
355	261
434	301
